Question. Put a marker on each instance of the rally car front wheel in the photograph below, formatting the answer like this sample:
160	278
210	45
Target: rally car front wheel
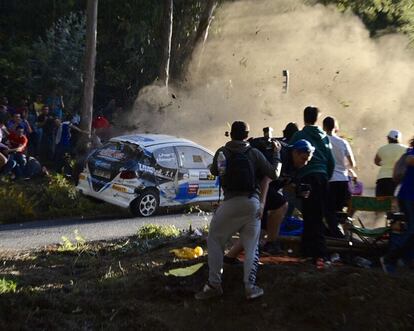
146	204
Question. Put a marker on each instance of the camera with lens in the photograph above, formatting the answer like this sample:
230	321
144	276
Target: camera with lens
265	143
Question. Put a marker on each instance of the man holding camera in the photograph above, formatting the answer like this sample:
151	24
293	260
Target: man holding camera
316	174
293	157
275	203
240	211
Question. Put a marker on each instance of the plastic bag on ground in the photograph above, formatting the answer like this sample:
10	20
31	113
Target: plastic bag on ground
187	252
184	272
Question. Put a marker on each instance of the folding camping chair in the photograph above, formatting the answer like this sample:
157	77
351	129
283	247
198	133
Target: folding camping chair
370	237
365	203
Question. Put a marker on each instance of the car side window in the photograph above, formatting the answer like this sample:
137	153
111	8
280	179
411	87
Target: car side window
166	158
194	158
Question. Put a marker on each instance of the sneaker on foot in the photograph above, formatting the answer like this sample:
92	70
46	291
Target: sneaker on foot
253	292
209	292
231	260
271	248
387	267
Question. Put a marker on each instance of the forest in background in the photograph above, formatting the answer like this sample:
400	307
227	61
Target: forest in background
42	43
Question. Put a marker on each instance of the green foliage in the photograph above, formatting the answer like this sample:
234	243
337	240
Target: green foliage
47	198
7	286
381	15
153	231
68	246
58	58
15	204
51	34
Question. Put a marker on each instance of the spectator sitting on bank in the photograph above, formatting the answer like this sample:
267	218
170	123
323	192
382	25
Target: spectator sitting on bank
6	163
385	158
3	131
17	142
16	121
34	169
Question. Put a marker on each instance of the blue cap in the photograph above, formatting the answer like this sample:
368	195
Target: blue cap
303	146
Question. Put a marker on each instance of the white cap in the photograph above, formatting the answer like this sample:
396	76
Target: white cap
395	134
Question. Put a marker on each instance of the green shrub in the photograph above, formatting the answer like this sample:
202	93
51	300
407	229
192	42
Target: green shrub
7	286
153	231
15	204
67	246
46	198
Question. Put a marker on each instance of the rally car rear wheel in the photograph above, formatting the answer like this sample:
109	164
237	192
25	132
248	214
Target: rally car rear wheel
146	204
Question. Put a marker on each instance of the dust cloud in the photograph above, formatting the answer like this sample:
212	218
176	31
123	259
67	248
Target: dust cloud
367	84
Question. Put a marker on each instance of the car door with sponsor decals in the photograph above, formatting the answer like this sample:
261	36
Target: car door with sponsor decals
166	174
194	165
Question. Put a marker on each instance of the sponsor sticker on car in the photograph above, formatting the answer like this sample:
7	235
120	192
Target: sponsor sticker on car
205	191
192	189
119	188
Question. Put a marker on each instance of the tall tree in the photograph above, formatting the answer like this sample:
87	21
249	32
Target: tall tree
90	59
166	45
199	38
204	25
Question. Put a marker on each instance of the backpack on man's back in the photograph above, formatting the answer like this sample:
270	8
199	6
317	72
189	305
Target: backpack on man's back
240	172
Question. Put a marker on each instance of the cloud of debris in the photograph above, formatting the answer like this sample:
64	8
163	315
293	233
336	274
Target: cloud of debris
365	83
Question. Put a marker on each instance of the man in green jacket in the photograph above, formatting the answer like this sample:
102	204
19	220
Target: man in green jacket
316	174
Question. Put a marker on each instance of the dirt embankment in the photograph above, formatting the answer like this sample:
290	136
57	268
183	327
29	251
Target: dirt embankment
118	286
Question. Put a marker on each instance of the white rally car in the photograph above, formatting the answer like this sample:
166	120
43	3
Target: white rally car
146	171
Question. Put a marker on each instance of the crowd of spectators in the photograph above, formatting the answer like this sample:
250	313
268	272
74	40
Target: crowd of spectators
44	132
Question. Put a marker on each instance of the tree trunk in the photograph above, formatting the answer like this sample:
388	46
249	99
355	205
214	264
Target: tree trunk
167	37
89	62
200	36
205	22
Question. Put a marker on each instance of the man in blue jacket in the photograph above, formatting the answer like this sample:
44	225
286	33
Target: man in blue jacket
316	174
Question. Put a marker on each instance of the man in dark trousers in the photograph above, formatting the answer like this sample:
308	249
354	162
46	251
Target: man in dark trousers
240	175
316	174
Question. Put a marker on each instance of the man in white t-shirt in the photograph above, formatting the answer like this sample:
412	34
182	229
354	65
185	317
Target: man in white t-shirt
386	158
339	194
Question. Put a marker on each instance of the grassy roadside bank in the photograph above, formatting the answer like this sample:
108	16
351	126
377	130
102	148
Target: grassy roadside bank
47	198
